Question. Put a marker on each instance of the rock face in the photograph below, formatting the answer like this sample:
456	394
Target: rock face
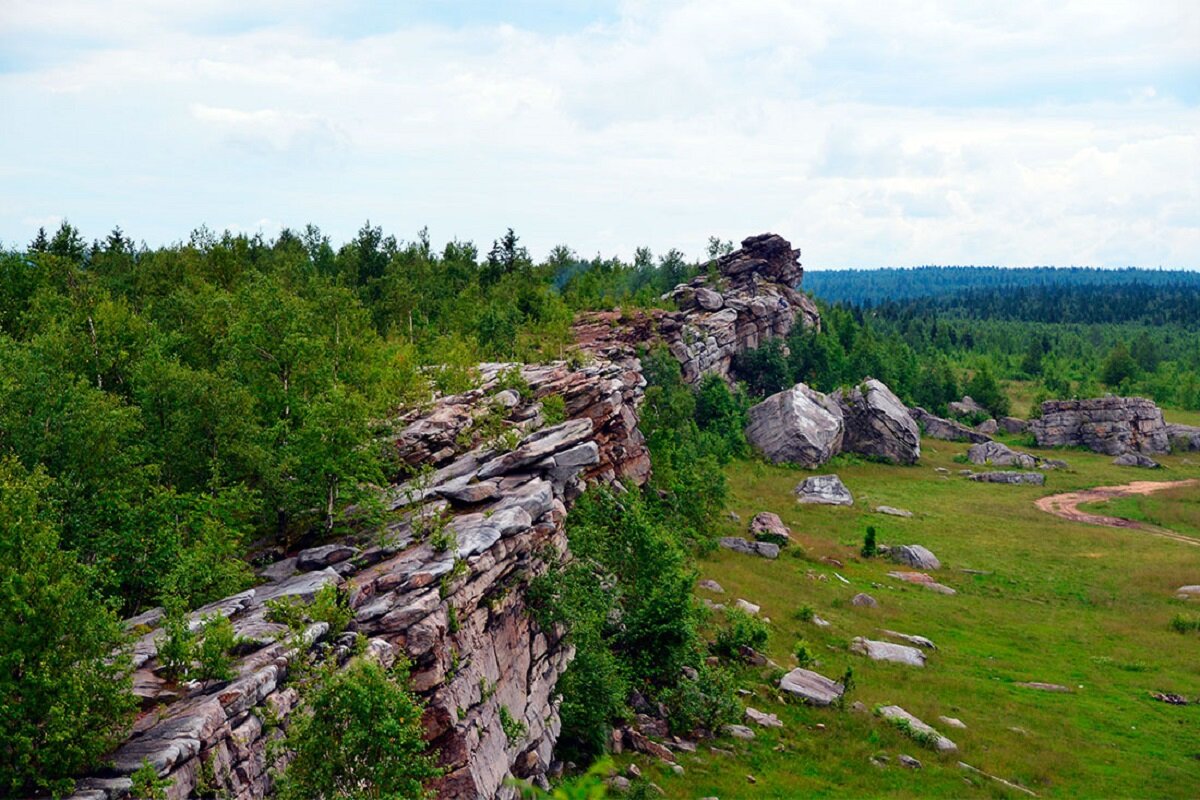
946	429
825	490
755	299
1183	437
1001	455
1112	425
798	425
811	687
877	423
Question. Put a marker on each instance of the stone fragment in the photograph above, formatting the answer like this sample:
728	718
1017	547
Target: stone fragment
762	718
863	599
921	579
1032	478
747	606
909	762
1013	425
811	687
877	424
949	430
765	522
892	511
917	729
1136	460
737	731
952	722
740	545
711	585
824	490
919	641
708	299
798	425
988	427
1044	687
887	651
1000	455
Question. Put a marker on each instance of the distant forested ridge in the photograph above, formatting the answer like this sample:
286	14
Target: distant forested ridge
874	286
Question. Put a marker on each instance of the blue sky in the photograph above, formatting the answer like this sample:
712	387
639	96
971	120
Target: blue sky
869	134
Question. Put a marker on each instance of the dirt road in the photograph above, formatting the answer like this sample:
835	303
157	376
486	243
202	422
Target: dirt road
1067	506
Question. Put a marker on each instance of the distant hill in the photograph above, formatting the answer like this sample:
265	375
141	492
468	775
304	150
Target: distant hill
871	287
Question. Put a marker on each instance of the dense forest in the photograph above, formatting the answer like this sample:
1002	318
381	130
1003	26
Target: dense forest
168	413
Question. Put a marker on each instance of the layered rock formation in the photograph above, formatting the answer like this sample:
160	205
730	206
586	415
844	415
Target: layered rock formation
798	425
753	300
1112	425
877	423
443	584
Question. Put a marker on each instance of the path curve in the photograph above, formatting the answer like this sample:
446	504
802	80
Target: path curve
1066	505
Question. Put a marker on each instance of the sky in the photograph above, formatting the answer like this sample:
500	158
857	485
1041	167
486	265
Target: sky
869	134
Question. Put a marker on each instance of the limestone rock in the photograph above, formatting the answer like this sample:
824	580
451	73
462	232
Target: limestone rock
798	425
737	731
1188	591
949	430
811	687
711	585
1183	438
1136	460
988	427
1111	425
1034	478
745	605
893	512
762	718
967	407
919	641
1013	425
823	490
952	722
887	651
1000	455
863	599
917	729
740	545
921	579
914	555
708	299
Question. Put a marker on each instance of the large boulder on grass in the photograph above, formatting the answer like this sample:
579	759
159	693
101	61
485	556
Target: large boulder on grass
1000	455
824	490
798	426
877	424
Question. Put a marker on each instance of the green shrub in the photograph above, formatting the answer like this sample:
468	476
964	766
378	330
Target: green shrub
706	703
870	547
146	785
512	378
554	409
804	614
1182	623
803	653
212	653
742	630
358	736
514	729
177	644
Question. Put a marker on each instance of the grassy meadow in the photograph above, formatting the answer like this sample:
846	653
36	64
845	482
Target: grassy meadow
1046	600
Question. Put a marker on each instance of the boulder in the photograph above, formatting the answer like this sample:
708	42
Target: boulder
737	731
1136	460
914	555
1110	425
762	718
1034	478
745	605
1183	437
919	641
740	545
1001	455
936	427
892	511
952	722
765	522
917	729
921	579
798	425
967	407
811	687
708	299
887	651
711	585
824	490
863	599
877	424
1013	425
988	427
1187	592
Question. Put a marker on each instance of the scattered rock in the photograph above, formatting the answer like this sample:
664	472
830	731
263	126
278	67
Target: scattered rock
877	424
941	470
952	722
1009	784
863	599
1187	592
1034	478
919	641
892	511
917	729
914	555
633	770
886	651
1044	687
909	761
763	719
1135	460
988	427
798	425
619	783
811	687
1001	455
1183	437
825	490
1052	463
967	407
921	579
677	769
747	606
737	731
765	522
740	545
711	585
1169	698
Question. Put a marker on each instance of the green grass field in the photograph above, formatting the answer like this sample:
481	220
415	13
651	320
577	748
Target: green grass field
1056	601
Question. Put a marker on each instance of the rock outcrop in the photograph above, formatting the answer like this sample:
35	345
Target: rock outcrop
798	426
877	424
1000	455
1111	425
754	299
936	427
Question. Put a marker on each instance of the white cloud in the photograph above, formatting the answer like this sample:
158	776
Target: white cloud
869	134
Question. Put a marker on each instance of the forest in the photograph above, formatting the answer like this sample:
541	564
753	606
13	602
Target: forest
169	415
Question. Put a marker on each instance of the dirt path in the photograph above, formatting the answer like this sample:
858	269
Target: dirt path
1067	506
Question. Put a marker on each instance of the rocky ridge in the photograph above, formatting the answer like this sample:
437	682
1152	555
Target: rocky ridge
443	583
1111	425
